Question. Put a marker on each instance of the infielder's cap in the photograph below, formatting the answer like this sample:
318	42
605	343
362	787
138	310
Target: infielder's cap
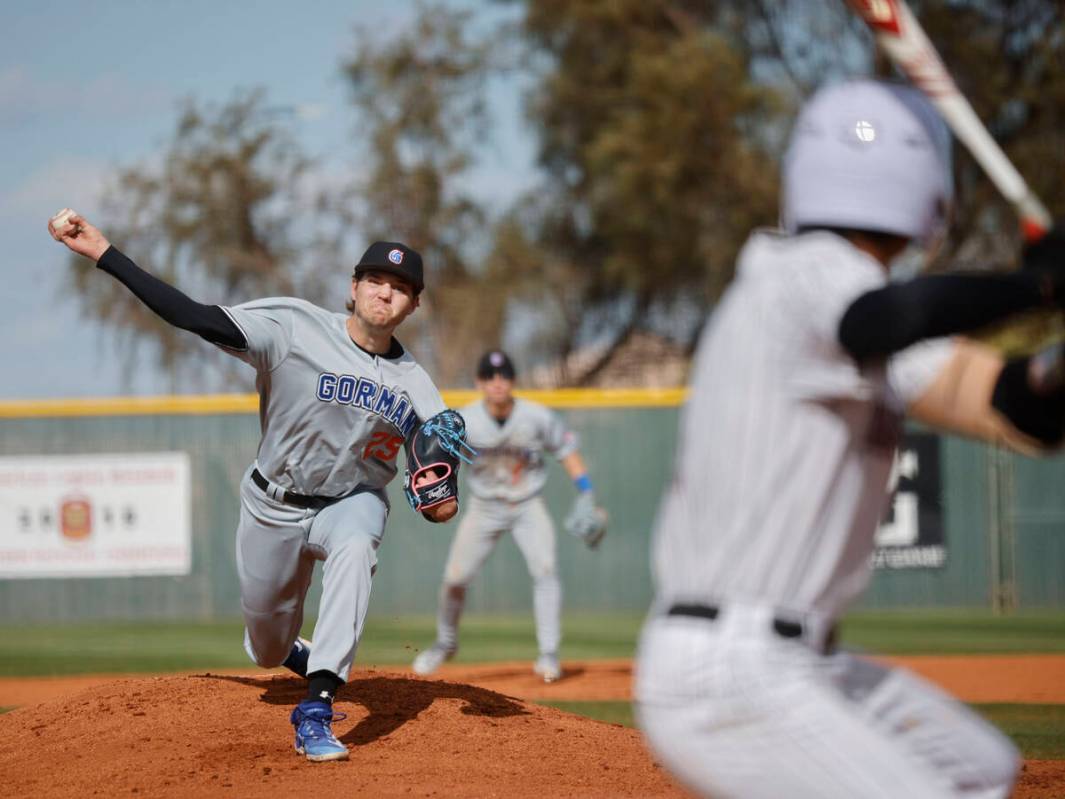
495	362
394	258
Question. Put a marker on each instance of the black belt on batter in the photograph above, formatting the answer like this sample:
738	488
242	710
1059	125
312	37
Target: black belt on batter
290	497
785	628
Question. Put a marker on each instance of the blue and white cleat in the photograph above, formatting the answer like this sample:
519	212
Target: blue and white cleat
314	735
298	657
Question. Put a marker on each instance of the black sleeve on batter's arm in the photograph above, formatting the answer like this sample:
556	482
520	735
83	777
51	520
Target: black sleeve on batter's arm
1041	416
890	319
207	321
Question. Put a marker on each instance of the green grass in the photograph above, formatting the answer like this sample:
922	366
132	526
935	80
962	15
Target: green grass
145	647
1037	730
954	632
614	712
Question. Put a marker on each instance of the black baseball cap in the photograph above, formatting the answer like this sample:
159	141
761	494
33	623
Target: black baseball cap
394	258
495	362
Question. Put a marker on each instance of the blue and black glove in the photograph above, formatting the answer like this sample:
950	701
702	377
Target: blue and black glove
434	454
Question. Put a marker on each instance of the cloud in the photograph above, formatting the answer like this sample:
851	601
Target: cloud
28	98
67	181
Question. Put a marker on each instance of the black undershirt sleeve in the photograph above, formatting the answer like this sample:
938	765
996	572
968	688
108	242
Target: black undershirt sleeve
209	322
1041	416
890	319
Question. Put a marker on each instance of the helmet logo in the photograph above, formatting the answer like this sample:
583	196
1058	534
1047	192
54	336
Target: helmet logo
865	131
395	256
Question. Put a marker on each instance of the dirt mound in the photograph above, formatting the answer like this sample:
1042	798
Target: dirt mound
212	735
1041	779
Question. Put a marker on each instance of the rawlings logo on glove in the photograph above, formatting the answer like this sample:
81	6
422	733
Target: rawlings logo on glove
434	455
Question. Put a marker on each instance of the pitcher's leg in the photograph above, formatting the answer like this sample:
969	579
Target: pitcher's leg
347	534
274	573
534	533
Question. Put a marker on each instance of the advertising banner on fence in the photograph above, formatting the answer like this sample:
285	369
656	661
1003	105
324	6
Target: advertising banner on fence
911	537
95	515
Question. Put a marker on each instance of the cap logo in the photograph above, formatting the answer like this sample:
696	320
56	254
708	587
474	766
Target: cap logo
865	131
395	256
496	359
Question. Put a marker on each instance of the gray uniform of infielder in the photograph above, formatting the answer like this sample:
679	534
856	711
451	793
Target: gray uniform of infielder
766	533
505	482
333	419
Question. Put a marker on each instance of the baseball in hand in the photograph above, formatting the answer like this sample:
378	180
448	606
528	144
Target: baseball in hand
61	225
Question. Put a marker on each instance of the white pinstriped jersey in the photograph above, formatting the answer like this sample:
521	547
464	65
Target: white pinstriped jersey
786	444
333	416
510	457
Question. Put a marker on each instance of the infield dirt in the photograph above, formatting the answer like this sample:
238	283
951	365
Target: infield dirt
228	734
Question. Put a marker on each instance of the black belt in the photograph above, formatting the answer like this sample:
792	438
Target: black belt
785	628
290	497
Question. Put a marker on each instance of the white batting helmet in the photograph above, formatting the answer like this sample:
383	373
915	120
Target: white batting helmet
868	155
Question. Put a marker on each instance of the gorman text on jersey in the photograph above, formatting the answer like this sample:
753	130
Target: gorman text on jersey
361	392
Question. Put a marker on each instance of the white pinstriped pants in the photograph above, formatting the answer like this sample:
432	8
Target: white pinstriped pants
739	712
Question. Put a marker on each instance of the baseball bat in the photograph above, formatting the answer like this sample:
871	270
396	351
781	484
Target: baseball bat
899	33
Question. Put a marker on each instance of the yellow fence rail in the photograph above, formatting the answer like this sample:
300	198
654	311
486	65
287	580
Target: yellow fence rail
204	404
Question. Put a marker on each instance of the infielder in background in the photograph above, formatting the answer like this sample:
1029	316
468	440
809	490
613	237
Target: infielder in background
765	535
511	436
338	395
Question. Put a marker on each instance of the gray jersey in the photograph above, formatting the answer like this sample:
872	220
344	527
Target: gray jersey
786	444
510	457
333	416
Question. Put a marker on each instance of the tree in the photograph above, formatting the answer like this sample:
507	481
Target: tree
419	102
219	219
658	152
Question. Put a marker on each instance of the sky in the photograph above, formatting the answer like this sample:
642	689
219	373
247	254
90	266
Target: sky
88	88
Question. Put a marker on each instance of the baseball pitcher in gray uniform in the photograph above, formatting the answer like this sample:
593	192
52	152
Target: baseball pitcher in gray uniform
338	396
765	535
512	437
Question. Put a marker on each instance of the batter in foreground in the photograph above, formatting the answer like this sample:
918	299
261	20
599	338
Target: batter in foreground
765	535
338	396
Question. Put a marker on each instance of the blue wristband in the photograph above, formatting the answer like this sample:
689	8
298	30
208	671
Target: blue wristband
583	483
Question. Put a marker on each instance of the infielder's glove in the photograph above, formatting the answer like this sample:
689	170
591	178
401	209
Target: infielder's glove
586	520
439	446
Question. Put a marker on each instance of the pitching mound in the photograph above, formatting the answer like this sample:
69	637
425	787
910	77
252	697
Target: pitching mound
217	735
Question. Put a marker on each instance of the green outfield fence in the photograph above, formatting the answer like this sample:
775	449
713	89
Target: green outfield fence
1003	515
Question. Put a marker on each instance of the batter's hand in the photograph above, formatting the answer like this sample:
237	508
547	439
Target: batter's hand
439	513
75	231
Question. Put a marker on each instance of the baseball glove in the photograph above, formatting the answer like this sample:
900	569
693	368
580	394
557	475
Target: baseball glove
438	446
586	520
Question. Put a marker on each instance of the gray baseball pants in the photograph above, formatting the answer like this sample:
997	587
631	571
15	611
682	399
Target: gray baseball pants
484	523
277	546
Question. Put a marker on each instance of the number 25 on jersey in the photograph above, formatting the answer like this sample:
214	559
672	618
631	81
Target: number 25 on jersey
382	446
